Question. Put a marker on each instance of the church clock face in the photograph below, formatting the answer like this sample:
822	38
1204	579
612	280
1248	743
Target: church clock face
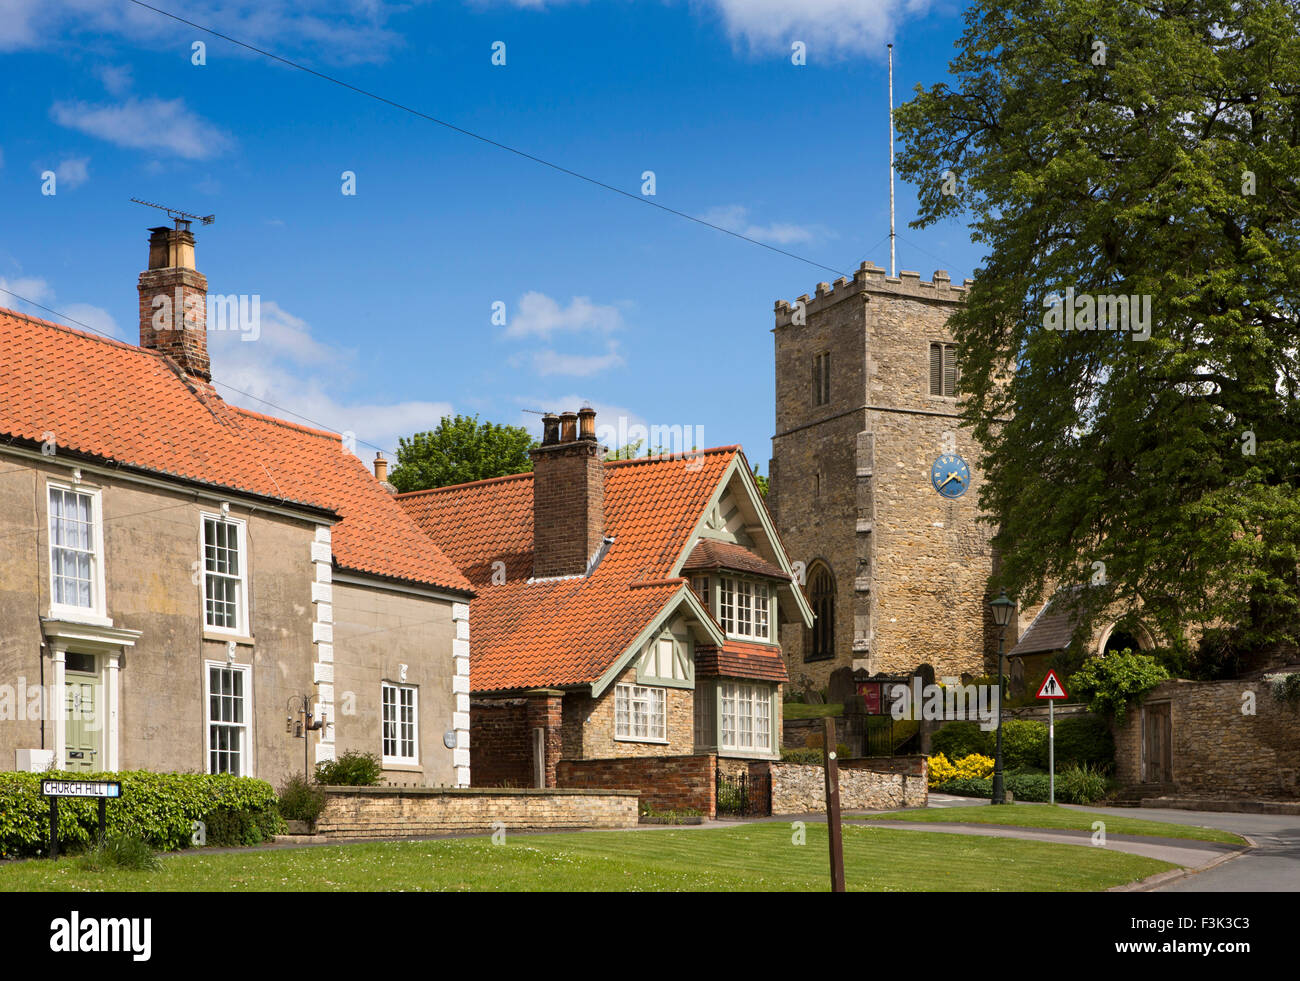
950	476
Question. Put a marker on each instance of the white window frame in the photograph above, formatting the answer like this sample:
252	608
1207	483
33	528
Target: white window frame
399	760
749	707
741	612
245	727
626	698
96	612
241	628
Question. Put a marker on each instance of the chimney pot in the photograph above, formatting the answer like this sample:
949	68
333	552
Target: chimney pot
587	423
568	427
550	429
381	468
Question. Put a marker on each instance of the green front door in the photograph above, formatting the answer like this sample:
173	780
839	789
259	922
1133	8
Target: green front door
82	700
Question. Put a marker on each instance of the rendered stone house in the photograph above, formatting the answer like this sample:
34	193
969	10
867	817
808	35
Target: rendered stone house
175	571
625	612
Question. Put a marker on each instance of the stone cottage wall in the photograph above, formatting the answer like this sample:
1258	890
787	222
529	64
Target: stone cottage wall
1218	750
799	788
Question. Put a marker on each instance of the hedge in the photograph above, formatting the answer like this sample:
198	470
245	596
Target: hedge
1081	740
160	808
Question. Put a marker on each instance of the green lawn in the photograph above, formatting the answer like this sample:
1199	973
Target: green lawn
804	710
1047	816
758	857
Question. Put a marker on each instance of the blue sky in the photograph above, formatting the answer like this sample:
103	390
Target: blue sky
377	307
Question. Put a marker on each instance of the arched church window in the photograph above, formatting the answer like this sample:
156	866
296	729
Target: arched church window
820	644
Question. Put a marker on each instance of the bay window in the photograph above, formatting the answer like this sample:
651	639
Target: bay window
746	717
743	608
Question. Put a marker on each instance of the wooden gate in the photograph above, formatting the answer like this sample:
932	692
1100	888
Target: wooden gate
1157	743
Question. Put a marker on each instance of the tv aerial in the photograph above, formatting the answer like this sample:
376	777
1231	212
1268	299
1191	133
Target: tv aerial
179	217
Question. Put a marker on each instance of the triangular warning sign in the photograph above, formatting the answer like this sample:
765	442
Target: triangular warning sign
1051	687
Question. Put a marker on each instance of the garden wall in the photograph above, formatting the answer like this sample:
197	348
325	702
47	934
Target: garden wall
665	783
1217	751
500	754
864	785
387	812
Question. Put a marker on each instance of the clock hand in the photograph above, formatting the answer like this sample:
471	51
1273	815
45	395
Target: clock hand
951	478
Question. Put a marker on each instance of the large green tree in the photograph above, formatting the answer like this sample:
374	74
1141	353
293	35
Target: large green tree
1147	149
460	449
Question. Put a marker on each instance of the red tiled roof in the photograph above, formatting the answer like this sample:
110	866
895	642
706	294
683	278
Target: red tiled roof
735	659
711	554
567	632
125	405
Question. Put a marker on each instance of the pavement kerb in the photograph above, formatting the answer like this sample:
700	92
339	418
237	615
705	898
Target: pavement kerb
1160	878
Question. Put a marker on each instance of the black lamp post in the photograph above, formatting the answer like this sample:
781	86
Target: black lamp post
1002	609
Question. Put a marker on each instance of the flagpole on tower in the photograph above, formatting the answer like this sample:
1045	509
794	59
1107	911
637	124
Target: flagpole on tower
893	271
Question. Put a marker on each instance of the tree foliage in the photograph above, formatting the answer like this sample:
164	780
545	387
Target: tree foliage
1110	683
1137	149
461	449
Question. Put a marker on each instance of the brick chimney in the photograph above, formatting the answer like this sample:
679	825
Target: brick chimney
568	495
381	473
174	301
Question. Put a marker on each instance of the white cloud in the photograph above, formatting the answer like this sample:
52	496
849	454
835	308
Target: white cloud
335	30
29	288
550	362
735	218
96	318
306	381
72	173
832	29
146	124
538	315
82	316
835	28
116	78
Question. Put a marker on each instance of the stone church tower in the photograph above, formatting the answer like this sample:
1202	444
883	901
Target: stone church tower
896	571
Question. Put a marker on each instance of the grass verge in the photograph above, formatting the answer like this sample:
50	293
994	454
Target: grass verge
752	858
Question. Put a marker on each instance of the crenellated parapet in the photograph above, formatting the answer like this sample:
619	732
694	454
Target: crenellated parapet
870	278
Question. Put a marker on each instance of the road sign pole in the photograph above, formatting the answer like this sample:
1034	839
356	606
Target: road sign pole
54	827
103	818
1051	752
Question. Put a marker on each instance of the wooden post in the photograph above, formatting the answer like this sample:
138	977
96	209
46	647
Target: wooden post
833	807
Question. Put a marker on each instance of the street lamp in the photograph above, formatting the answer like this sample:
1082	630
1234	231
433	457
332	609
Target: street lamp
1002	609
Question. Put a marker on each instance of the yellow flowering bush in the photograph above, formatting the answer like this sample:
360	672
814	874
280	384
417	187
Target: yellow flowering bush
972	767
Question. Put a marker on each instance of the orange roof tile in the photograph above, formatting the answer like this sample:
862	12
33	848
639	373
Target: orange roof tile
737	659
121	404
567	632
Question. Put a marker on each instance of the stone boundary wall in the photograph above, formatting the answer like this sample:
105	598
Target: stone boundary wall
665	783
387	812
800	789
1217	751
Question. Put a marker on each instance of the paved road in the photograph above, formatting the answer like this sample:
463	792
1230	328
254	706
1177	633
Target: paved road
1272	866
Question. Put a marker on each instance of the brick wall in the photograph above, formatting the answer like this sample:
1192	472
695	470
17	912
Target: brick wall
500	753
1218	751
665	782
568	507
801	789
379	812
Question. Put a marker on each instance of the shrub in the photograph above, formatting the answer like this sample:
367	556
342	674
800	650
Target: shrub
1286	688
120	853
967	768
810	756
958	739
1024	744
159	808
236	828
352	769
1109	684
1085	740
1023	786
300	800
1081	785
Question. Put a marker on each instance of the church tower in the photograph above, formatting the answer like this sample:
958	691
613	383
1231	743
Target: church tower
875	486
